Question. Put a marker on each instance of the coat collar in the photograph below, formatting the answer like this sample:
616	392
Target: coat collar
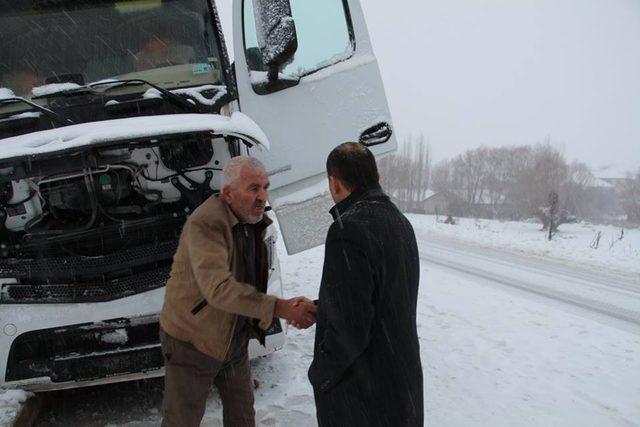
341	207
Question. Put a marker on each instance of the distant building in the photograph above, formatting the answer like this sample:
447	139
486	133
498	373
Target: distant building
440	203
407	202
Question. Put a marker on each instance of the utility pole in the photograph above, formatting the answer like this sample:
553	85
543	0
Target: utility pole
553	210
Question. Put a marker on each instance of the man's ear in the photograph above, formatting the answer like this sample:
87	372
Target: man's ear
226	194
334	183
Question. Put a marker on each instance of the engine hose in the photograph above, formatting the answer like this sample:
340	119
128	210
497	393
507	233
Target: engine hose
192	182
149	206
36	219
23	201
88	179
177	174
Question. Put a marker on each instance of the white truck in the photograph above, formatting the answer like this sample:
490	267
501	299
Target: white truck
116	118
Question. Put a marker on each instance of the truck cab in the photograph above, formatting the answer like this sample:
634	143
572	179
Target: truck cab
116	118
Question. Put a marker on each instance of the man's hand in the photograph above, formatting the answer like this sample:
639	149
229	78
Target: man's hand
297	301
299	312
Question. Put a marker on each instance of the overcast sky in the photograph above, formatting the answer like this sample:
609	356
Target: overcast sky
466	73
503	72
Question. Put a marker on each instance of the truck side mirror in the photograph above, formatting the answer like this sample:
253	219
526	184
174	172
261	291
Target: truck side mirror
276	33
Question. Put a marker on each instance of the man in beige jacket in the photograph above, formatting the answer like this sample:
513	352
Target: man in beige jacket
216	299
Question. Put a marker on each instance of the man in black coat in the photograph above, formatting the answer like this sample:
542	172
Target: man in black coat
366	368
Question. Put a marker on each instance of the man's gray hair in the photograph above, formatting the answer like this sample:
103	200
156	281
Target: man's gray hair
231	171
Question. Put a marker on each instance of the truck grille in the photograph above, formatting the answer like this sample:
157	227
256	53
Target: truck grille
91	351
30	292
87	351
78	279
82	266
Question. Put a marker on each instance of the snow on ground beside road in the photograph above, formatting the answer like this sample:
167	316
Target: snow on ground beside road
571	244
497	357
10	403
491	356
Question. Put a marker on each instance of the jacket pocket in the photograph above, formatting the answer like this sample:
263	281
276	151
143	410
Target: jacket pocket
198	307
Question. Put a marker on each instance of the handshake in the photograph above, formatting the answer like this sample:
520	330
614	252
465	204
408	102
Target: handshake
300	312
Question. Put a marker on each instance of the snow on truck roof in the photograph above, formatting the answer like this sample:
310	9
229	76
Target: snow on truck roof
82	135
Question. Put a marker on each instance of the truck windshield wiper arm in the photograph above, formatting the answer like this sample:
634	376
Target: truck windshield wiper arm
47	112
164	93
112	83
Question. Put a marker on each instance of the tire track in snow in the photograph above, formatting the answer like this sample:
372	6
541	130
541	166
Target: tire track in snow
531	286
586	274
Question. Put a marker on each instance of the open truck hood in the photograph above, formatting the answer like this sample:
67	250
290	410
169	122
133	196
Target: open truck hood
68	139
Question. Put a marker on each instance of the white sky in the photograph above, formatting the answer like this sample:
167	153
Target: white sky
495	72
466	73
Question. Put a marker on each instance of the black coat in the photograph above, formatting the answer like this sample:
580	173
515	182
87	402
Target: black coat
366	369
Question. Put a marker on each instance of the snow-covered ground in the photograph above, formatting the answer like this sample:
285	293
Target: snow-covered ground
491	355
10	403
572	244
493	352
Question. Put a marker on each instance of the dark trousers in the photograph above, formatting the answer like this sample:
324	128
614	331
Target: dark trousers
189	374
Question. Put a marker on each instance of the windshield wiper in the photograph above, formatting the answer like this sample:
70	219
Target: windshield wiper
178	100
92	88
47	112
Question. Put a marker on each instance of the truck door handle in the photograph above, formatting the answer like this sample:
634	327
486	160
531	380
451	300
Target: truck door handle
376	134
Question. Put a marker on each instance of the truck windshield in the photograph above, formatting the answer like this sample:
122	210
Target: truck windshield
171	43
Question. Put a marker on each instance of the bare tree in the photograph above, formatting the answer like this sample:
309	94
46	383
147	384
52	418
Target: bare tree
441	177
630	192
577	191
406	174
512	182
543	172
473	169
469	176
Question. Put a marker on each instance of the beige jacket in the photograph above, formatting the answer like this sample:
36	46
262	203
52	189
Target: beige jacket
203	296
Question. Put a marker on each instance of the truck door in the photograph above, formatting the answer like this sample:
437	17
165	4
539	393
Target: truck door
329	92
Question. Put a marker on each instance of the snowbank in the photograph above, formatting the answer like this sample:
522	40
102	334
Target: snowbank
10	403
571	245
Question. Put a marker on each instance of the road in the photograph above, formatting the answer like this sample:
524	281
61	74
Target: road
606	293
